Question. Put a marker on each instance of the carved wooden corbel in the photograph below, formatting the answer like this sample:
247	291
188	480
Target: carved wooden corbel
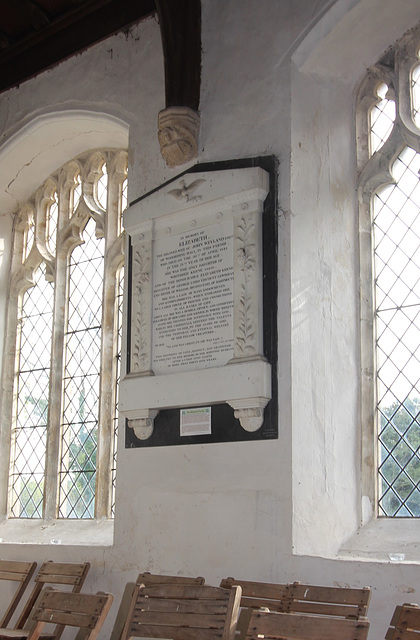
179	122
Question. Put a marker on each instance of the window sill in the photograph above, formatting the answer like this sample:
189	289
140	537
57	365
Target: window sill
88	533
385	540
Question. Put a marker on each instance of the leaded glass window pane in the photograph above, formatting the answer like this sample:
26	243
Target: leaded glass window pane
382	118
82	378
388	109
57	385
396	225
29	443
119	303
415	95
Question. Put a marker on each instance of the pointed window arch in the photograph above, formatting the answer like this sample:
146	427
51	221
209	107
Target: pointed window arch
63	341
389	187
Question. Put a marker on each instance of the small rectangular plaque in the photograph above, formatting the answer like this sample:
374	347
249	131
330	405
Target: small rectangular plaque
195	422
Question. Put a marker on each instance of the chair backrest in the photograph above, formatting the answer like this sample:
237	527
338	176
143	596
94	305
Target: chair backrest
20	572
54	573
183	612
148	579
300	626
80	610
405	623
295	597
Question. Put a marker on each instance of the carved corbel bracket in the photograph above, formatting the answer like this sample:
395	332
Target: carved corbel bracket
178	129
143	424
249	412
180	27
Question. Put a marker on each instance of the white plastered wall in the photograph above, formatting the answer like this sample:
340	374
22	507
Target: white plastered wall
227	509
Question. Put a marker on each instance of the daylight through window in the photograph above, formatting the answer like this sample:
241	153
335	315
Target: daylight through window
64	341
390	182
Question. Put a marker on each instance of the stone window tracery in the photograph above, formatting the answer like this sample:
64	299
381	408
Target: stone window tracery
62	355
389	194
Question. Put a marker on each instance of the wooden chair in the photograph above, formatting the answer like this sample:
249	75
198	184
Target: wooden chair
341	602
148	579
405	623
83	611
50	573
20	572
183	612
301	626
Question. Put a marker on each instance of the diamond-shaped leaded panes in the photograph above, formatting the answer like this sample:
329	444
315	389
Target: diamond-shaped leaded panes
86	282
381	120
82	379
396	210
415	95
27	495
75	346
32	389
78	470
119	304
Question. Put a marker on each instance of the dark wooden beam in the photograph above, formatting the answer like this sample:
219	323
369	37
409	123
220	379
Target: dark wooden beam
180	27
62	38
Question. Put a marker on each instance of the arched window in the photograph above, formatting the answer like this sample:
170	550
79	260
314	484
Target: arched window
63	341
389	181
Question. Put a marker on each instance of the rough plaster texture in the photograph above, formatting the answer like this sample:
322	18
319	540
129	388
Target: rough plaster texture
276	79
324	316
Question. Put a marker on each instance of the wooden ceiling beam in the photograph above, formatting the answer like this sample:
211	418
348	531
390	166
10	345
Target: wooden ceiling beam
179	122
65	36
180	28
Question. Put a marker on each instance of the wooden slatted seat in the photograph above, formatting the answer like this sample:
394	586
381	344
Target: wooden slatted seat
295	597
20	572
83	611
279	626
183	612
405	623
50	574
149	579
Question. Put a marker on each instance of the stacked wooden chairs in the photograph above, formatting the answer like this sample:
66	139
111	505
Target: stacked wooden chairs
185	608
278	626
82	611
405	623
21	573
342	602
66	574
318	606
182	611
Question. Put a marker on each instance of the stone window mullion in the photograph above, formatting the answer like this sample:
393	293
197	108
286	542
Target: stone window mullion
15	300
113	259
53	455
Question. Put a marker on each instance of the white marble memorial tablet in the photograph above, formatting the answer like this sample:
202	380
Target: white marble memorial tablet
196	317
193	300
